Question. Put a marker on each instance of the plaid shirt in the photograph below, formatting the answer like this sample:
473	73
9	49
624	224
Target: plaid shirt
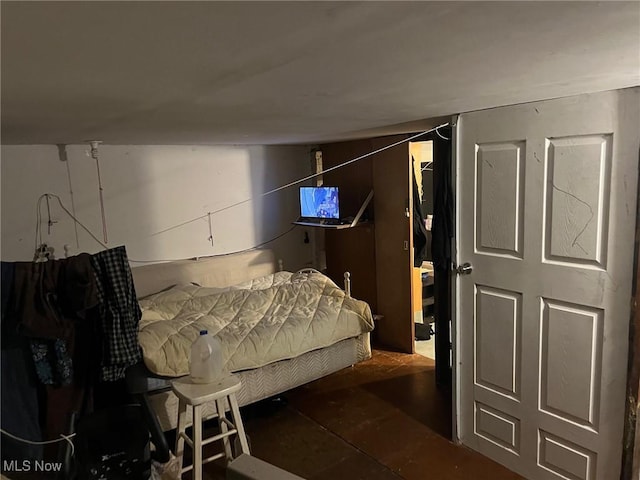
119	313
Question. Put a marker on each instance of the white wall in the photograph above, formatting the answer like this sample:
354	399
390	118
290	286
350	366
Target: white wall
151	188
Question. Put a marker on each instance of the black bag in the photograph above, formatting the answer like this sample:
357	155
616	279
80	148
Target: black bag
113	444
424	331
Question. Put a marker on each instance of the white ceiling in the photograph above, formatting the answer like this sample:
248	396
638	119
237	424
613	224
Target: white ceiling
294	72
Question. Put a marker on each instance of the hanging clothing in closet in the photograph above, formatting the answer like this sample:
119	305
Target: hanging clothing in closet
421	244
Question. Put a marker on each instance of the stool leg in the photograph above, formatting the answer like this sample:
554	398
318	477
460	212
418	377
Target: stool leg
197	442
182	427
237	421
223	428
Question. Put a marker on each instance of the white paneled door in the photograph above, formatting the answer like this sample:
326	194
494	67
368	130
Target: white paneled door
546	205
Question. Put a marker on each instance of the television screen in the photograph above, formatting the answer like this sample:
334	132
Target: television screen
319	202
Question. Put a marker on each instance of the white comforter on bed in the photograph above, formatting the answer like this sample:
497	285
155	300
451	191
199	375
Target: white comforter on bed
272	318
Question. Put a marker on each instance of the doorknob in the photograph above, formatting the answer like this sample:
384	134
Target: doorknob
464	269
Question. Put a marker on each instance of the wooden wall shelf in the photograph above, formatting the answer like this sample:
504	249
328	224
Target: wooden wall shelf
354	223
332	227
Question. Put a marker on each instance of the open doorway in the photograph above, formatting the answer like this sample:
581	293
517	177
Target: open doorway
432	274
421	153
379	254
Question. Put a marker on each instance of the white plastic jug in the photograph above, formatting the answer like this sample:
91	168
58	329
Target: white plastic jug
206	363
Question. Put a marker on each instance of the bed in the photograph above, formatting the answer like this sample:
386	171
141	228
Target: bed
176	286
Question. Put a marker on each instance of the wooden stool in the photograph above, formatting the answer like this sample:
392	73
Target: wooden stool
196	395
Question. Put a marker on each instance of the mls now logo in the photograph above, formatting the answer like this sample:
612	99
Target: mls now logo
30	466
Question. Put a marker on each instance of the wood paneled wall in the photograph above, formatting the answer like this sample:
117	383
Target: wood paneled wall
351	249
378	255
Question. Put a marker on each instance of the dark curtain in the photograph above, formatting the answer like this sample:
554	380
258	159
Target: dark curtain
442	228
442	235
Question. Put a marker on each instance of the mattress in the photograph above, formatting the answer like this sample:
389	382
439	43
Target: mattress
275	378
258	383
269	319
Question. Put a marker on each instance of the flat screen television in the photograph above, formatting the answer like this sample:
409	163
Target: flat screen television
319	202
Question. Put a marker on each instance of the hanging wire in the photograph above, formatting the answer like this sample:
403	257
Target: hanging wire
38	239
210	231
271	240
64	438
50	222
208	214
309	177
260	244
63	154
94	154
53	195
439	134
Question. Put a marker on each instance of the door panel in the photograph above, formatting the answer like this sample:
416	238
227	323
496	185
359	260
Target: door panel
392	177
497	427
577	168
498	322
546	202
500	199
571	364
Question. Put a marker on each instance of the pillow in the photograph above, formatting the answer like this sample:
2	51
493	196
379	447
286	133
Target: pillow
166	289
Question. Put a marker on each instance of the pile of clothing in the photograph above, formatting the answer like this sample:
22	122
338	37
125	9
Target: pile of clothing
69	329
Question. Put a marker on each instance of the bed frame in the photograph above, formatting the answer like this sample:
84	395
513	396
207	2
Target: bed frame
259	383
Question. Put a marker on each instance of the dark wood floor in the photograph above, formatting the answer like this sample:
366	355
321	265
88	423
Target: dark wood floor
381	419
